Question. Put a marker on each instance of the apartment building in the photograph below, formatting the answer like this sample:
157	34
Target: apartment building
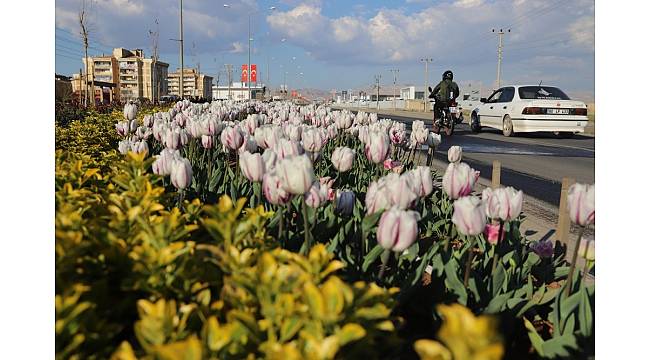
195	85
128	73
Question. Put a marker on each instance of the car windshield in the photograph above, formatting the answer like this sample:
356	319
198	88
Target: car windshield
541	93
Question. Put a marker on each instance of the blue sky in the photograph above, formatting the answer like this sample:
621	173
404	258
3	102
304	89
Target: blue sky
342	44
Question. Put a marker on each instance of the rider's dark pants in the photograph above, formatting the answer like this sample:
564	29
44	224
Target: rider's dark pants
437	109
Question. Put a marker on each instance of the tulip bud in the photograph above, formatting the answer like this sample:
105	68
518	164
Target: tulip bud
232	138
296	174
377	147
459	179
124	146
317	195
172	139
421	180
273	191
130	111
469	215
140	147
377	197
434	139
455	154
252	166
181	173
287	148
312	140
582	204
397	230
400	189
207	141
342	158
492	233
345	202
270	159
503	203
147	121
364	134
543	248
122	128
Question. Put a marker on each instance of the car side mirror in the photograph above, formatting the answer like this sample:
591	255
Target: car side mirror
430	89
483	100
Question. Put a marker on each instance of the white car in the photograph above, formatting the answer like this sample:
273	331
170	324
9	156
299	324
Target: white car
530	108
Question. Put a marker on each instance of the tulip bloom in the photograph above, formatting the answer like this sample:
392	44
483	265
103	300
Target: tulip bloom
377	197
398	229
130	111
469	215
181	174
503	203
342	158
164	161
317	195
377	147
207	141
345	202
140	147
273	191
582	204
287	148
296	174
312	140
124	146
459	179
400	190
543	248
270	159
122	128
433	139
421	180
249	144
232	138
455	154
252	166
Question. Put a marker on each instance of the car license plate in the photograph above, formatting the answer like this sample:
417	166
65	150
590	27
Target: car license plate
558	111
453	110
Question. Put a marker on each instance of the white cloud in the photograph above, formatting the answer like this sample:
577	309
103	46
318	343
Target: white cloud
583	32
237	48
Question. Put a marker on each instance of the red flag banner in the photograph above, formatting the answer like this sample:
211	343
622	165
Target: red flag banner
244	73
254	73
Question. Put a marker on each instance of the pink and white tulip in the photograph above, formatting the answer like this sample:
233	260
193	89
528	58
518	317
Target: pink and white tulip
454	154
252	166
377	147
503	203
398	229
469	215
343	158
459	180
582	204
296	174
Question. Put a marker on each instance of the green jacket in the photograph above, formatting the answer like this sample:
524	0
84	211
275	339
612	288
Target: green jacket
445	91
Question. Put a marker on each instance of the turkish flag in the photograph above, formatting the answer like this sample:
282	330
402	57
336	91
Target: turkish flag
244	73
254	73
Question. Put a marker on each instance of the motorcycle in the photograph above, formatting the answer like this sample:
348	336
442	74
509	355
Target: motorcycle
449	117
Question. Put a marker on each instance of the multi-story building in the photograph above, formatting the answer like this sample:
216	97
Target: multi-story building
195	85
133	76
237	91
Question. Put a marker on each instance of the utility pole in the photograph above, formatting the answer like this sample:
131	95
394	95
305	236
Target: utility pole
83	22
80	74
182	90
248	76
395	72
500	54
425	94
229	70
377	80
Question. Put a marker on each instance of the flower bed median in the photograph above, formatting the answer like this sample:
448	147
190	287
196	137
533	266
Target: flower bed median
225	230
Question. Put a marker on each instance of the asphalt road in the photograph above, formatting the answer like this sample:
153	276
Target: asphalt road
533	162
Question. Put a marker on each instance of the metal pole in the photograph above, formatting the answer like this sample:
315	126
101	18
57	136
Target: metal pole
181	91
248	77
395	72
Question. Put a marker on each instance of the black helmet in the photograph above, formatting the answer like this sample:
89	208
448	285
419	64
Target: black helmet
448	75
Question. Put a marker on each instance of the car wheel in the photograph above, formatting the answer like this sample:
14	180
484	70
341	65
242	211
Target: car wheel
507	126
564	134
475	123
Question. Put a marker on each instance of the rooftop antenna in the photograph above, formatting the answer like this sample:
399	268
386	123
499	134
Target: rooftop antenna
540	83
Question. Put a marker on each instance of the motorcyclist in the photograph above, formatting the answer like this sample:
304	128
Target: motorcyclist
444	93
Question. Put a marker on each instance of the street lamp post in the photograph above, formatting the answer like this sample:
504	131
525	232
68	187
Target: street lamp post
426	62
